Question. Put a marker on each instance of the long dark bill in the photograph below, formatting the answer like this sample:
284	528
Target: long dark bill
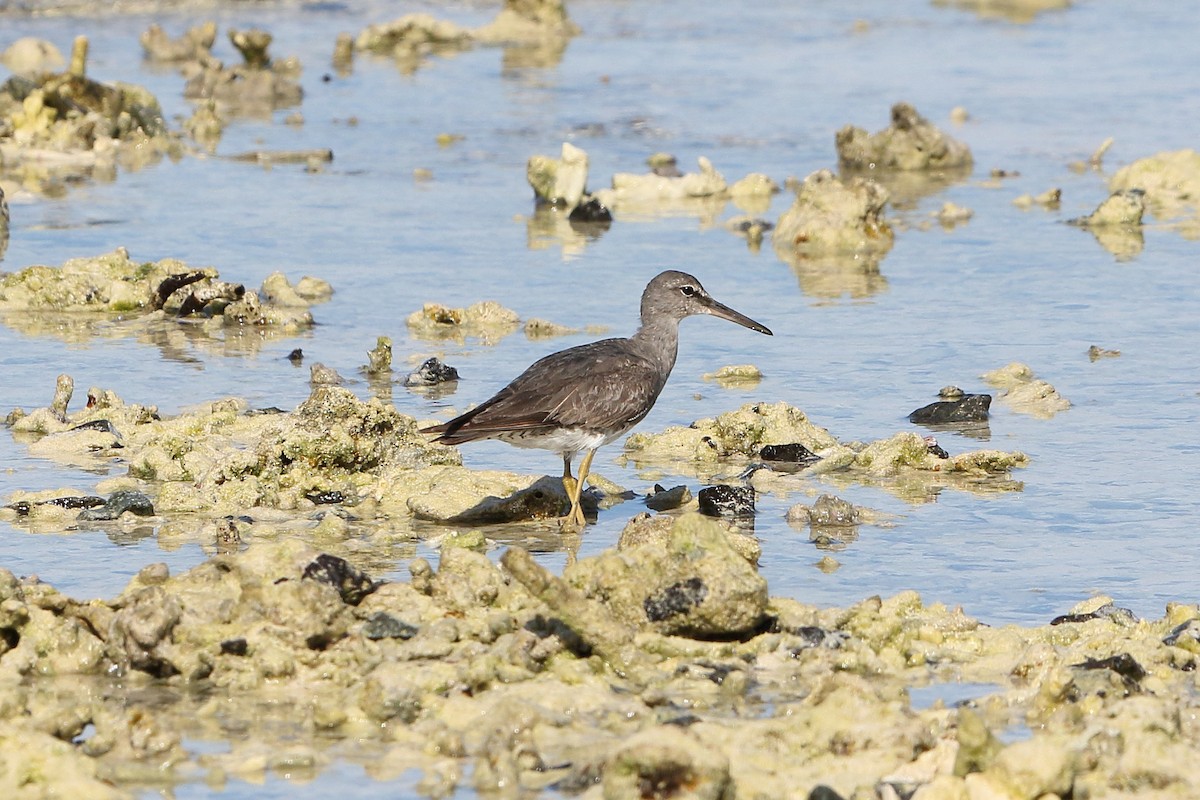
725	312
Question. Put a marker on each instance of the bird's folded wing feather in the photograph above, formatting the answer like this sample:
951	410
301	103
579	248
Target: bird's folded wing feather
596	387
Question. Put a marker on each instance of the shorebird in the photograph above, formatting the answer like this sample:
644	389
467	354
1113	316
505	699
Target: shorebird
582	398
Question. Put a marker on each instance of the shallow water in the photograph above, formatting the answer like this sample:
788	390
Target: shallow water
1106	506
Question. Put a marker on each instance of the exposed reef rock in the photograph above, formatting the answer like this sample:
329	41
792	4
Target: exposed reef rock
831	216
534	32
113	283
1026	393
61	125
663	664
910	142
257	86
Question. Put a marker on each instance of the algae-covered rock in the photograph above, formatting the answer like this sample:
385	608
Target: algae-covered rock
1117	223
1025	393
194	44
61	126
830	215
739	376
524	680
222	459
740	433
693	584
488	321
540	28
652	192
148	293
672	762
559	181
30	56
1169	182
458	495
259	85
910	142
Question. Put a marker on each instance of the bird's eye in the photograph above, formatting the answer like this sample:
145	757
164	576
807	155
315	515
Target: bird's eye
688	291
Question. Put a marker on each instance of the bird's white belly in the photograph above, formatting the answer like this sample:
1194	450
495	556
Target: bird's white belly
563	440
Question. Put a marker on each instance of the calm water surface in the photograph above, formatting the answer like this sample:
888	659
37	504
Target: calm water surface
1108	503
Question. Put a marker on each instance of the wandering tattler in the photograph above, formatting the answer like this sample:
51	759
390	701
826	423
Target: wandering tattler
584	397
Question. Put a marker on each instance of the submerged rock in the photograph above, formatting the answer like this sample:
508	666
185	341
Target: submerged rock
668	499
910	142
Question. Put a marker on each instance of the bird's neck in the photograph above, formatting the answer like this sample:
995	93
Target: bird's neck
658	339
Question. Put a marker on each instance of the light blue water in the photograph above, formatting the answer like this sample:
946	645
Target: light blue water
1108	503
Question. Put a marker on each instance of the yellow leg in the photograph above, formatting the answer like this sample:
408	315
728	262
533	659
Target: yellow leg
567	480
575	516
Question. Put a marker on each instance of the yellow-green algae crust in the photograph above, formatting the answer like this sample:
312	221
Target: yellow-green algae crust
514	676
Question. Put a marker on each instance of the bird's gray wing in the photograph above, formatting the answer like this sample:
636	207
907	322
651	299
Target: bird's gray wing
599	386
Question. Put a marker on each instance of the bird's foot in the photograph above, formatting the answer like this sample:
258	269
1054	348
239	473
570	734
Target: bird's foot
574	521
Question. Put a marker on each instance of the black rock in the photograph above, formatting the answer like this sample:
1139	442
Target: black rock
86	501
968	408
727	501
352	584
590	211
117	504
382	625
823	792
234	647
97	425
934	448
296	356
173	283
431	372
794	453
1119	615
1123	664
326	497
666	499
678	598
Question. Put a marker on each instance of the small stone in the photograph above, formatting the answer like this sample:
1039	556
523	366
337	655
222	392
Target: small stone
117	504
352	584
431	372
793	453
322	375
727	501
382	625
667	499
1096	353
